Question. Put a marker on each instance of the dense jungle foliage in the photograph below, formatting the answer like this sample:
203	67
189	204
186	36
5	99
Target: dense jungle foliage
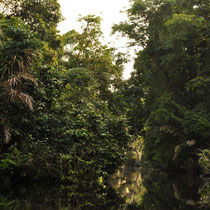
61	114
65	110
168	93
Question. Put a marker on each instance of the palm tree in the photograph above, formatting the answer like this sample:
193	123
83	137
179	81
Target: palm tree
16	64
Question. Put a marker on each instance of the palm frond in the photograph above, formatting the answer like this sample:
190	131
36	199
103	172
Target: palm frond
7	134
27	77
26	99
169	129
13	94
19	63
12	87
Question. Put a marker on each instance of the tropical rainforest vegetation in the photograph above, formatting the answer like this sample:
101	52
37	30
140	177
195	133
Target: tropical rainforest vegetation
61	114
65	110
168	93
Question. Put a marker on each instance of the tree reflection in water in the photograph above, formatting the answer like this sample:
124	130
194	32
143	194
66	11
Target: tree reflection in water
45	196
129	188
152	189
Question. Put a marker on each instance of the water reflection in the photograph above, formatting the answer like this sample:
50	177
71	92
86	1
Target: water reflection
49	196
130	188
153	189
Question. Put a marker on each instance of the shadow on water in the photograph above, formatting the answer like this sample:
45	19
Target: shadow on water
49	196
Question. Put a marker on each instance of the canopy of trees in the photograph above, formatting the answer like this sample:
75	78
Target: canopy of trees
168	93
65	110
60	108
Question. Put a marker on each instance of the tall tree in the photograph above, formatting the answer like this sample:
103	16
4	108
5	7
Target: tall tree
43	18
172	71
19	50
85	50
77	126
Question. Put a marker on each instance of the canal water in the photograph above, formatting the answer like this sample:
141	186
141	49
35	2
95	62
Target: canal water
128	189
147	189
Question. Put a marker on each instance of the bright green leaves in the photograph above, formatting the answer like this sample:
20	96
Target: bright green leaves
43	18
200	86
182	26
138	7
80	86
18	53
78	111
19	48
197	122
205	160
84	47
84	52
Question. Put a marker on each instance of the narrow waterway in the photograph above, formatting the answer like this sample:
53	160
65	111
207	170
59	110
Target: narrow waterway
152	189
128	188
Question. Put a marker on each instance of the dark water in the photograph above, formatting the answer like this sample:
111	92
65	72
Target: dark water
129	188
153	189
